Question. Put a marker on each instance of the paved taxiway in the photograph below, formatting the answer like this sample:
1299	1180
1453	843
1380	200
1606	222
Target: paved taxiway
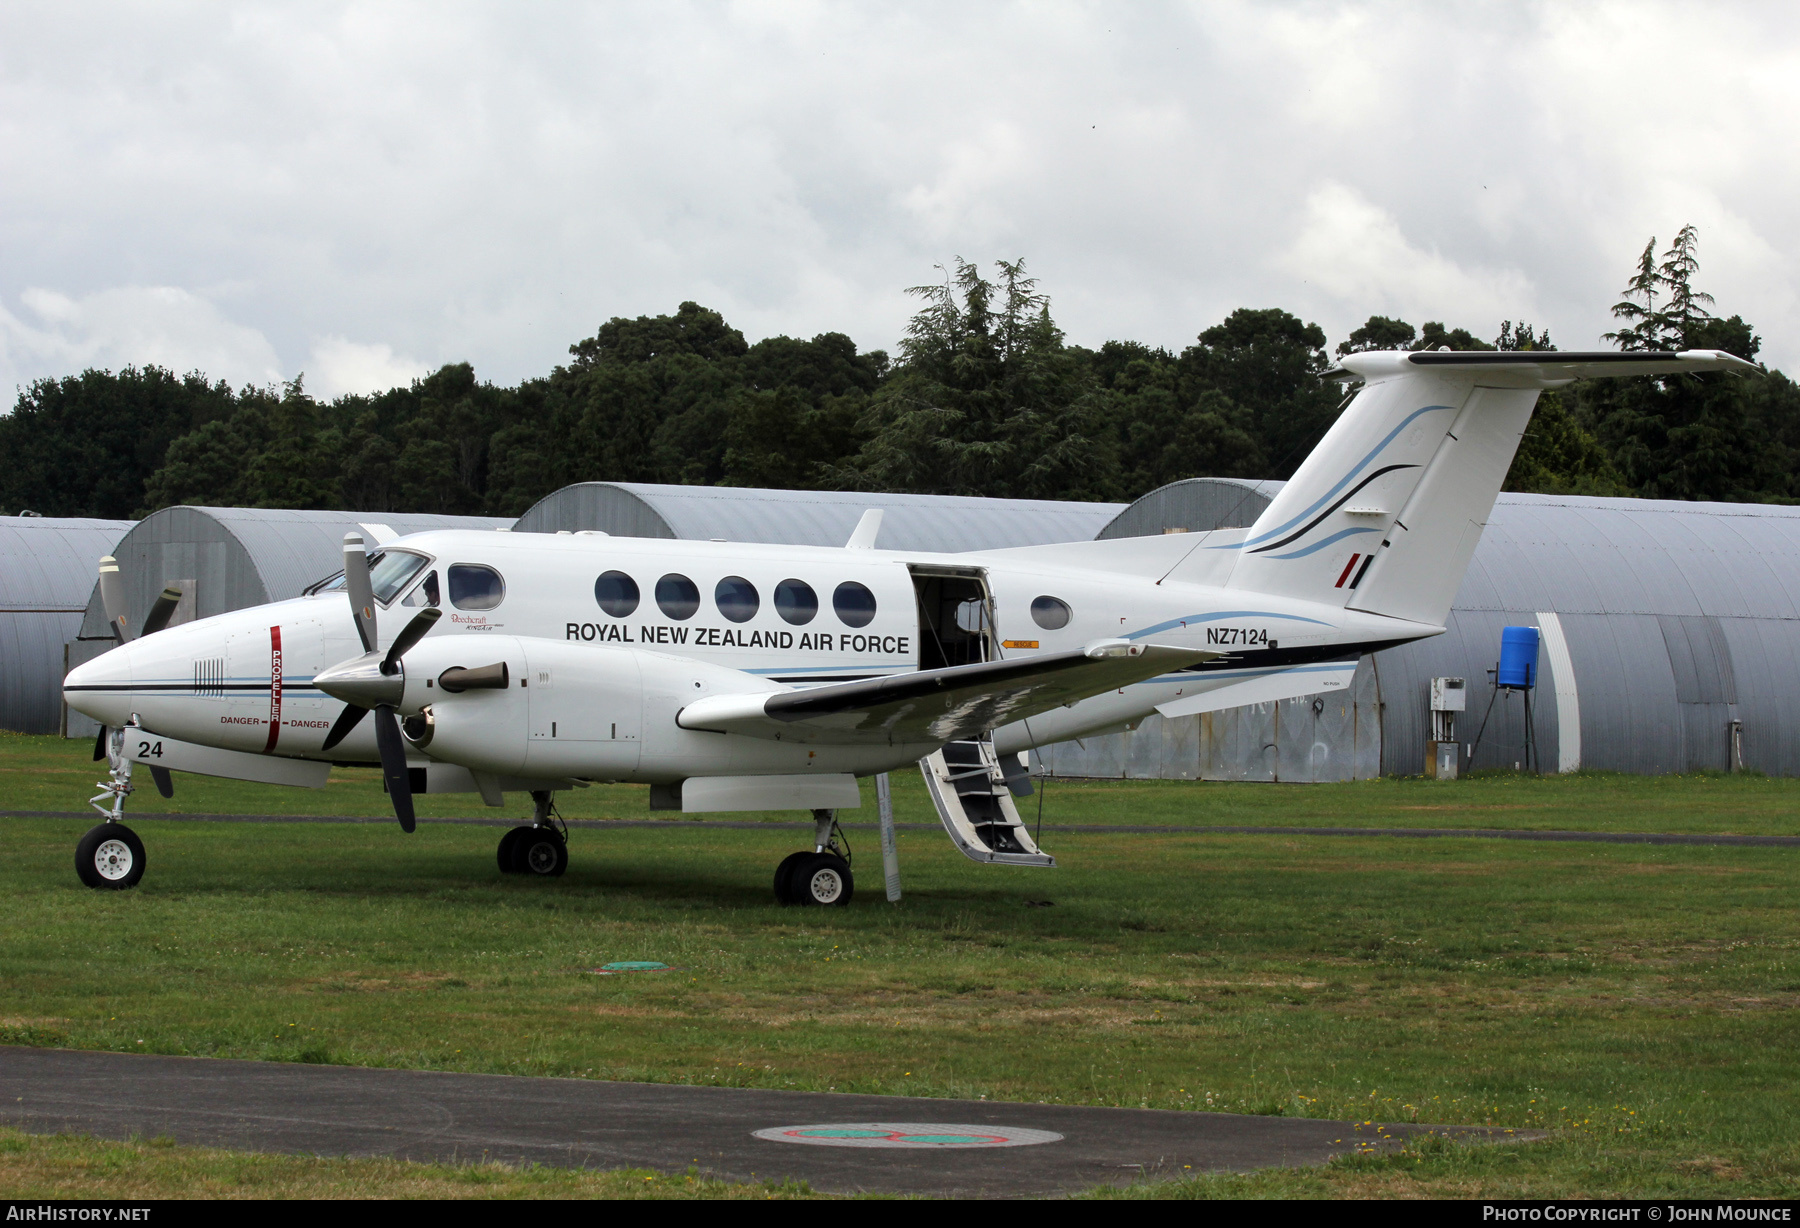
428	1115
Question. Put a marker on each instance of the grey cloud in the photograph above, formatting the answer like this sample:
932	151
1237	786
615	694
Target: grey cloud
490	182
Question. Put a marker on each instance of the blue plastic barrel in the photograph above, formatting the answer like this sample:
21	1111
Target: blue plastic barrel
1518	657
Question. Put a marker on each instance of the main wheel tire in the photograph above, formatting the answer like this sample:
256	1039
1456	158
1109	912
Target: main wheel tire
509	844
110	858
540	853
824	879
784	874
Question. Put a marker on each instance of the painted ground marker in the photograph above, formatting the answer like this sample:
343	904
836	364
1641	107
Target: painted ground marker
911	1135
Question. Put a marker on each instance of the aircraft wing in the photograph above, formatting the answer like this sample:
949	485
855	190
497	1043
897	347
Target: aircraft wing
938	705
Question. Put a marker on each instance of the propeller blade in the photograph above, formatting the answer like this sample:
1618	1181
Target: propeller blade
393	765
162	611
100	744
112	599
165	783
456	679
410	635
362	594
347	720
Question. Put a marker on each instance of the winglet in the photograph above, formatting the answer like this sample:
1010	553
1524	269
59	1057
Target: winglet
866	530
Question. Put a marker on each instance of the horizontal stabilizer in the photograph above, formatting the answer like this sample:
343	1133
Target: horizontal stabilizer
146	748
1541	368
1288	683
938	705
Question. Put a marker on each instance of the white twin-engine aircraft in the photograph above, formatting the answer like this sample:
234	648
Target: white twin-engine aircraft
733	676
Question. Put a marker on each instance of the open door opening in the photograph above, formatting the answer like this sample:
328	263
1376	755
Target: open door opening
955	617
971	787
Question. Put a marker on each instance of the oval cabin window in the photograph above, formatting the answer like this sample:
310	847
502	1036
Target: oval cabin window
854	603
677	597
737	599
474	587
617	593
1050	613
796	602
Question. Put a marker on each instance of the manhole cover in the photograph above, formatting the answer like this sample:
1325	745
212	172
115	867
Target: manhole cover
916	1135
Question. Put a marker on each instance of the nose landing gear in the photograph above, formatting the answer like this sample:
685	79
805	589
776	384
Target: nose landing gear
539	849
111	857
822	876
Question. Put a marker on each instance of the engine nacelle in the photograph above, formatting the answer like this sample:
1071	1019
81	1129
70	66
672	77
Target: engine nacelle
590	711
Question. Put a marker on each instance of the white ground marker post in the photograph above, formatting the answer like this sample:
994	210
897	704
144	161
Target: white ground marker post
890	856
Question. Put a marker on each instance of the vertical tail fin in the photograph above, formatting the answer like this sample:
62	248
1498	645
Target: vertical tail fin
1385	514
1318	538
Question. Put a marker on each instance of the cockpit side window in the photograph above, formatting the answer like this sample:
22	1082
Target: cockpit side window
474	587
425	593
391	571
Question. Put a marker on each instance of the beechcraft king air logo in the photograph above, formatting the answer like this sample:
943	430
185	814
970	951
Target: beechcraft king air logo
910	1135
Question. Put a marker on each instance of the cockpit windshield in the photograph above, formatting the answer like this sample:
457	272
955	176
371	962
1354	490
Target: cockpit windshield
390	571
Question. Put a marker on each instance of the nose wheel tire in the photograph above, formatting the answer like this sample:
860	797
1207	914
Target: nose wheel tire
110	858
539	852
817	878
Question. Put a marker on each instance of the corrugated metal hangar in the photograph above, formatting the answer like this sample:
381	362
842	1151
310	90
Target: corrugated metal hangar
812	517
46	573
227	558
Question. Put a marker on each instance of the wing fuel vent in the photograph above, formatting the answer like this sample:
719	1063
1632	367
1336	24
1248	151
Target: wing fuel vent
969	789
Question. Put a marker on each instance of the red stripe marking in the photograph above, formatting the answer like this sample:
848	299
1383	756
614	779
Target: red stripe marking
274	689
1347	567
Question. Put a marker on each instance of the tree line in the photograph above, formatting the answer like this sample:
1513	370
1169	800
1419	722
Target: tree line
984	396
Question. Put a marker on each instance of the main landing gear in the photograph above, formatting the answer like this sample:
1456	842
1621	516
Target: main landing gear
540	849
823	875
111	857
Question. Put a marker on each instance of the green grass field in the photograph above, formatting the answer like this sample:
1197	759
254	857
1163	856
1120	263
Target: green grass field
1638	1001
54	774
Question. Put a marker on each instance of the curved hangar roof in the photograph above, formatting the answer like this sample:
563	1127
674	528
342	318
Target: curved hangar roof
812	517
227	558
47	568
1671	621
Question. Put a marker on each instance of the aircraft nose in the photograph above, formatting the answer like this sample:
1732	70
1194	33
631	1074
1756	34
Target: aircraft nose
101	688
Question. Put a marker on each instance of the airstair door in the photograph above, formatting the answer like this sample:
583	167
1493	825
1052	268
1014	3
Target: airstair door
973	798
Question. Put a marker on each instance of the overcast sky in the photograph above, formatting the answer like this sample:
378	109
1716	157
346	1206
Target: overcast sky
364	191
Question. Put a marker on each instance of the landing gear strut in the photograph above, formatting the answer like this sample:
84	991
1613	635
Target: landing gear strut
540	849
823	875
111	857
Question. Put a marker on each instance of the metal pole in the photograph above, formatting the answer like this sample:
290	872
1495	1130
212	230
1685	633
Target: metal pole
890	856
